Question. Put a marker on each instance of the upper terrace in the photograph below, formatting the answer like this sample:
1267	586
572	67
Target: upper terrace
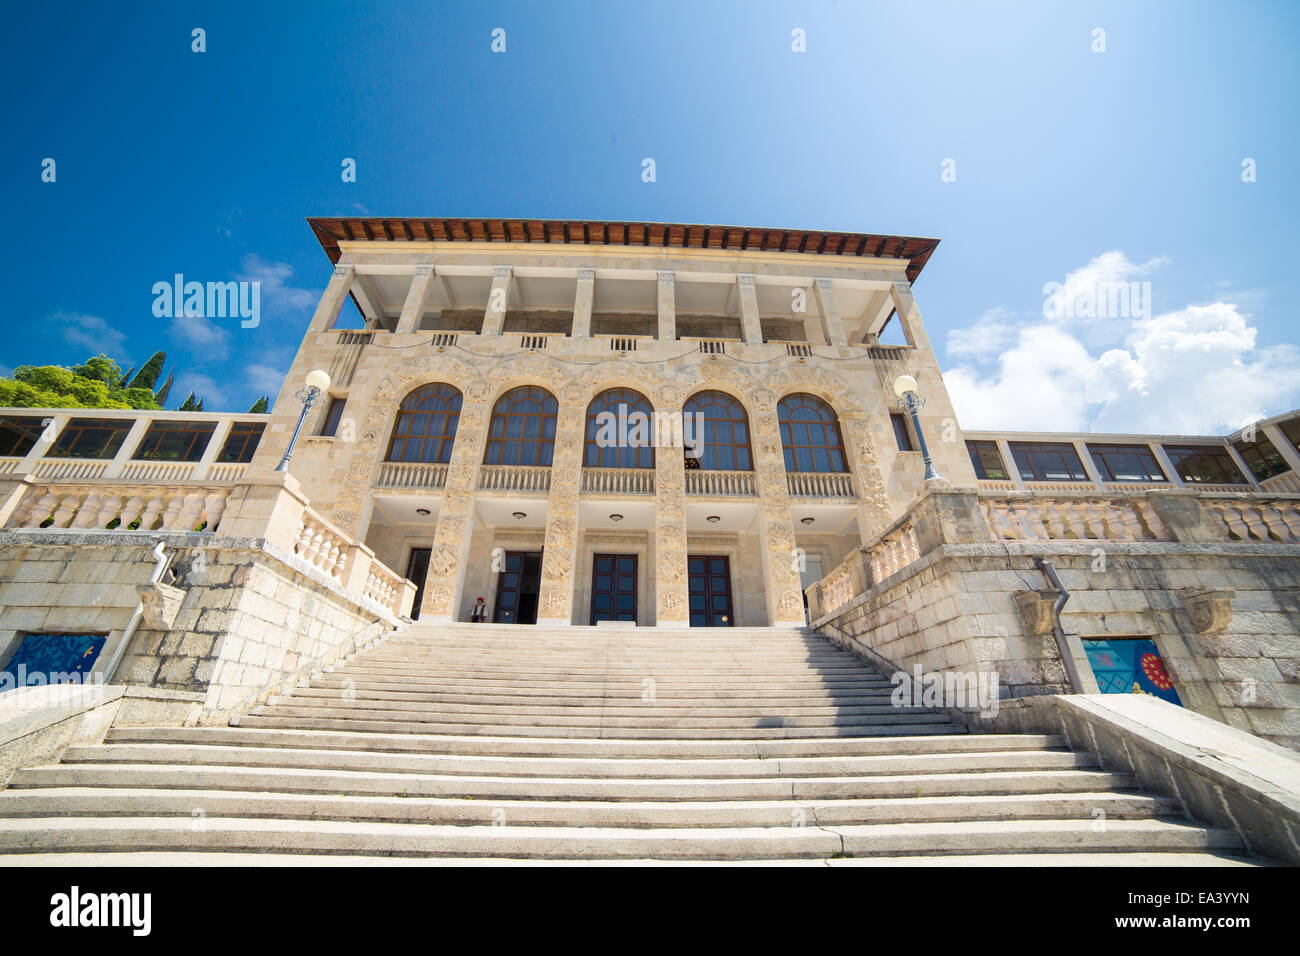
633	284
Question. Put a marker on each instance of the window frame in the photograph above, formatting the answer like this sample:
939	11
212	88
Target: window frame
740	450
634	401
826	427
1024	453
117	428
409	409
978	463
542	445
1102	453
1179	453
160	430
242	431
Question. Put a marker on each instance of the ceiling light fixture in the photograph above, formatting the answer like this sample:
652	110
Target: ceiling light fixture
519	516
712	519
806	520
422	511
615	517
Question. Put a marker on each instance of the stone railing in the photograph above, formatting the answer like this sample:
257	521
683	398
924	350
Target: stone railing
9	463
394	474
720	484
70	469
382	585
1254	520
321	545
1286	483
618	481
124	507
895	550
1042	518
159	471
526	478
819	485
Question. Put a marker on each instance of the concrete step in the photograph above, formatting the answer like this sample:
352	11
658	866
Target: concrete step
878	728
522	693
706	685
705	768
501	787
131	802
617	706
896	747
485	702
719	843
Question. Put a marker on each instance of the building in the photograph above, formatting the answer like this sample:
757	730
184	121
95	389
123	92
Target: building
462	451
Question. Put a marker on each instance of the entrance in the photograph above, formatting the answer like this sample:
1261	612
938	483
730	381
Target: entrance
709	581
417	569
613	587
517	588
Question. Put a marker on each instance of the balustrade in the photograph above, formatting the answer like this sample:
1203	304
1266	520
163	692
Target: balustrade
720	484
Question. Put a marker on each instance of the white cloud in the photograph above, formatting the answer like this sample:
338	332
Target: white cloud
277	293
200	334
89	332
204	387
265	379
1196	370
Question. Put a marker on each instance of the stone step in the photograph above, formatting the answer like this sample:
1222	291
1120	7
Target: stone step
650	718
482	701
719	843
895	748
878	728
706	685
501	787
629	707
598	673
132	802
183	858
748	768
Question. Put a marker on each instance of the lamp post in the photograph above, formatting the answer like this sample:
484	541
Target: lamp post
317	381
905	388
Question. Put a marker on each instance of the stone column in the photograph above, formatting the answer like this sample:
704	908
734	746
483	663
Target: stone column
451	535
129	444
750	326
873	502
1089	466
672	606
331	303
215	444
909	316
667	307
775	527
498	305
832	322
49	435
1004	449
416	296
582	303
560	550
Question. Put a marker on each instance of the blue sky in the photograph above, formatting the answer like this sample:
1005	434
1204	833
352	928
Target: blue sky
1071	165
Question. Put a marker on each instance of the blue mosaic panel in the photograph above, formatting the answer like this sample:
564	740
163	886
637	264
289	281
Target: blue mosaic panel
49	655
1130	667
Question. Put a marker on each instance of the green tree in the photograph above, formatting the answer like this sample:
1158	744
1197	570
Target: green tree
190	404
147	377
94	384
161	395
260	405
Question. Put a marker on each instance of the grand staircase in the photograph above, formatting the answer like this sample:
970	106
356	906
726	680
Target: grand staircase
492	742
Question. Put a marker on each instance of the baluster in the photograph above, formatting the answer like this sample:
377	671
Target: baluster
134	509
1275	522
1092	518
170	517
67	508
1230	517
1255	522
109	508
1036	526
192	507
214	506
86	514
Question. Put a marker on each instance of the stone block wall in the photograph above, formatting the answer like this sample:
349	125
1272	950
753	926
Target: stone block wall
253	620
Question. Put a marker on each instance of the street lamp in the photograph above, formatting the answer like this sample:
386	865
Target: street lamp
317	381
905	388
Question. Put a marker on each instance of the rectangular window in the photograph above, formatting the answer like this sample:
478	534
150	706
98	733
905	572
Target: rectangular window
1262	457
1126	463
241	442
90	438
901	435
175	441
1048	461
987	460
1291	430
1205	464
332	416
18	435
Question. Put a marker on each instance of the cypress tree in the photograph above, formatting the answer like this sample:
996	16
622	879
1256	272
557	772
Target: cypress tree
259	406
147	377
161	395
189	404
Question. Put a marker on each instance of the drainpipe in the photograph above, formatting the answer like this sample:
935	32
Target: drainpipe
1062	645
137	615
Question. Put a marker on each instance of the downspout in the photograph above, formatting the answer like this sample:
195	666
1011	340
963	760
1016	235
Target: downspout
137	615
1062	645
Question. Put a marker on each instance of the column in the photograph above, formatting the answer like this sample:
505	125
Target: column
582	302
750	326
775	526
1240	462
331	302
1166	464
667	306
832	322
451	535
129	445
215	444
49	434
874	512
1283	445
1089	466
560	550
909	316
672	606
498	304
416	296
1004	449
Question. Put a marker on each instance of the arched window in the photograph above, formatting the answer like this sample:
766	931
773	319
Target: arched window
426	425
810	434
724	444
523	428
620	431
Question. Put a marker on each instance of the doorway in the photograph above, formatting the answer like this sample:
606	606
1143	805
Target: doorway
417	569
613	587
518	586
709	583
